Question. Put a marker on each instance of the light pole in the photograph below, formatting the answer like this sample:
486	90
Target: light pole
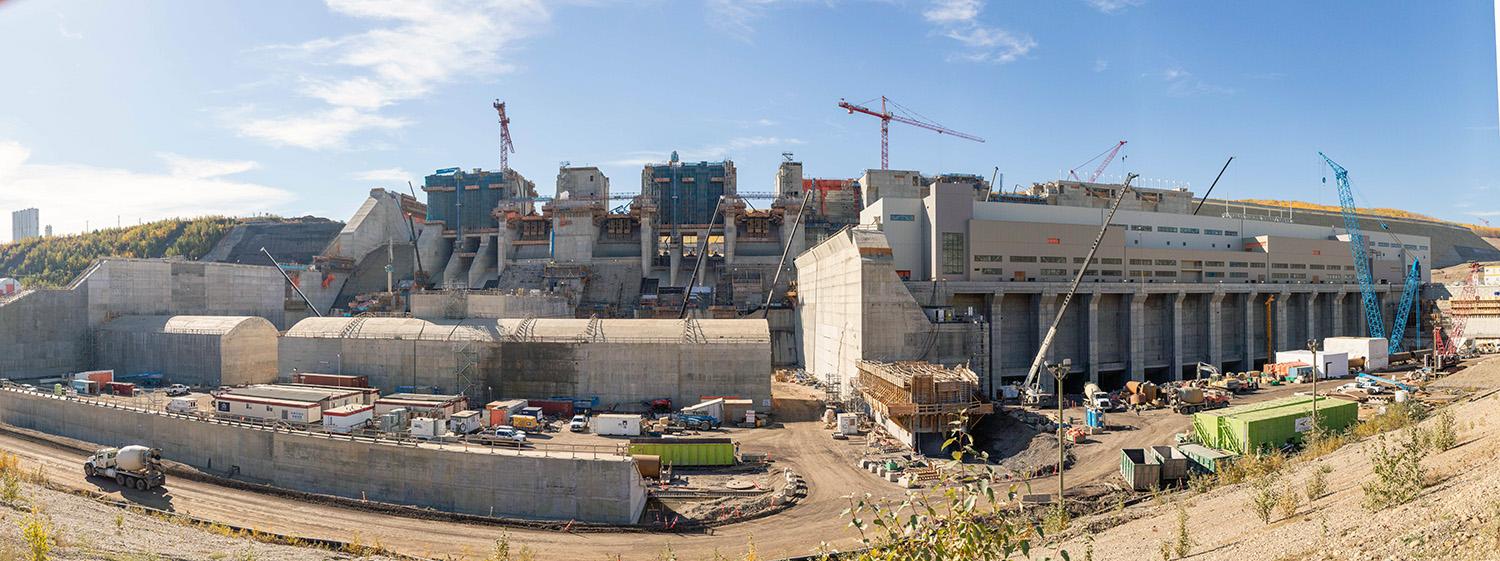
1060	372
1312	347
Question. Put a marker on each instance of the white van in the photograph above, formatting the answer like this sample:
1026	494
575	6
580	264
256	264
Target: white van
183	405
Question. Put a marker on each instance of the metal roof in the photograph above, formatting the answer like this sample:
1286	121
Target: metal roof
303	394
542	330
200	325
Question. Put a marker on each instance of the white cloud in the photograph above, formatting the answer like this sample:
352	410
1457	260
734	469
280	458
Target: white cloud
953	11
737	17
1112	6
315	131
183	166
63	31
959	20
394	175
70	195
1181	83
1101	64
418	46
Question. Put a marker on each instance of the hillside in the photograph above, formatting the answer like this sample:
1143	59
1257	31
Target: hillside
1482	231
57	260
1455	515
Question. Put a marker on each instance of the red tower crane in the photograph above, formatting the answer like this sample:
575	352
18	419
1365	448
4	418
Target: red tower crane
506	148
886	116
1109	156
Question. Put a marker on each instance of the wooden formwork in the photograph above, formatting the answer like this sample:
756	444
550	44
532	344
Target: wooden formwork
921	396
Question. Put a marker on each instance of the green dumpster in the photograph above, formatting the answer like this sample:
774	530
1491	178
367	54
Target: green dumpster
686	451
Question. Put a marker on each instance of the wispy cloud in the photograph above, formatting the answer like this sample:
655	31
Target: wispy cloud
1112	6
1182	83
101	195
959	20
1101	64
1483	213
391	175
716	151
415	47
737	18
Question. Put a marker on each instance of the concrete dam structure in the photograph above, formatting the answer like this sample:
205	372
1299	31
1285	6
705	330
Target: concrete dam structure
602	488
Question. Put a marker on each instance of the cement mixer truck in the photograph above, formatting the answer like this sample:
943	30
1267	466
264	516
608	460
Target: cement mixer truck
132	467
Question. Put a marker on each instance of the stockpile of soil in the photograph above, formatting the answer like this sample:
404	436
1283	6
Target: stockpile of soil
1016	446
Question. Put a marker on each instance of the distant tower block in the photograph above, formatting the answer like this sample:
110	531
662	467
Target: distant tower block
23	224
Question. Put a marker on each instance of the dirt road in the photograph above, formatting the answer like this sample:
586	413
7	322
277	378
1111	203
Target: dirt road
802	446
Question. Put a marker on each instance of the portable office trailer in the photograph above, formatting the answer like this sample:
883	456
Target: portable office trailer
466	422
616	424
499	412
268	409
440	405
347	418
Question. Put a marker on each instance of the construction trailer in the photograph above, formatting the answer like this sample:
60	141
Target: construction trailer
293	404
1271	424
434	405
1373	350
917	401
1328	364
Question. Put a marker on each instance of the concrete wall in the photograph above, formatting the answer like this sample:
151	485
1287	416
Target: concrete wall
197	350
502	483
489	304
44	333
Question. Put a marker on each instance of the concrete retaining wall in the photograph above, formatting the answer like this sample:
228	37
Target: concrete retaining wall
605	489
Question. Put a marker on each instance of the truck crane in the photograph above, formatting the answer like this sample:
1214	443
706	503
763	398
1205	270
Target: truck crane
1032	386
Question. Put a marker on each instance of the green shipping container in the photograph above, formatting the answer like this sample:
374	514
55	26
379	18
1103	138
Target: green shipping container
1270	424
1207	459
686	451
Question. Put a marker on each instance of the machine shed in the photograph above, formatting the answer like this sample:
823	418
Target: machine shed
204	351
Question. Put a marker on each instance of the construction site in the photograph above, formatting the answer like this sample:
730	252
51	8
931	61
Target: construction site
690	364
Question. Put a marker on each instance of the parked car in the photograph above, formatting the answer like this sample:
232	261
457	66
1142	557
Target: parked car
580	423
175	390
510	433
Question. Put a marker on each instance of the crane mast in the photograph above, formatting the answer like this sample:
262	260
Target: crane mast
1357	246
1031	384
506	147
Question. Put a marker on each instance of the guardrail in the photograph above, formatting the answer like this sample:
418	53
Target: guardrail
467	445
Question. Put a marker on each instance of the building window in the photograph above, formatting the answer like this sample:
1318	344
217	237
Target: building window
1167	229
1023	259
1348	267
1189	230
953	253
1140	228
1140	273
1054	259
1213	263
1239	275
989	258
1110	273
1140	261
1166	273
1054	272
1166	262
1231	233
1213	232
1278	275
1110	260
1054	241
1238	264
1192	264
1213	274
1299	265
990	271
1279	265
1315	266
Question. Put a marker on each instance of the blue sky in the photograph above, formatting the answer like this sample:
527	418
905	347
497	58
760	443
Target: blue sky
141	110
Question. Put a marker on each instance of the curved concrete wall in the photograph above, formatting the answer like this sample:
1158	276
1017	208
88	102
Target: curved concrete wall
606	489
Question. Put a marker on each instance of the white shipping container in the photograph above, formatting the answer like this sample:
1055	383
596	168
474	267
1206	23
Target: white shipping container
1375	350
1335	364
614	424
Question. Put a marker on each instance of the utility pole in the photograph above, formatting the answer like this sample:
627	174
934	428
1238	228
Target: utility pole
1312	347
1060	371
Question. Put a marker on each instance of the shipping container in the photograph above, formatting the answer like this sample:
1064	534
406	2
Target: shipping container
1174	465
98	376
686	451
500	411
1271	424
556	408
1373	350
1204	458
122	389
336	380
86	387
1140	470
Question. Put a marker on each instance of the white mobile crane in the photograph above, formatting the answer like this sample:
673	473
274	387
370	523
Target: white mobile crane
1032	388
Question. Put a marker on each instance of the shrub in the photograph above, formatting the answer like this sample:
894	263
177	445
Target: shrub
1444	431
10	487
1317	484
1396	416
36	532
1200	483
1288	501
1264	496
1184	545
1398	472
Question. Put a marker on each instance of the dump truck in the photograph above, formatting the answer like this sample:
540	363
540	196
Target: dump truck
132	467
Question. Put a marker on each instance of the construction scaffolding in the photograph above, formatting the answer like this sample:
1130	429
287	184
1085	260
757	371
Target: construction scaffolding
921	397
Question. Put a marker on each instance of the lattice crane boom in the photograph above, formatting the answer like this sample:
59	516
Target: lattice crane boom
886	116
1408	297
1109	156
1357	246
506	147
